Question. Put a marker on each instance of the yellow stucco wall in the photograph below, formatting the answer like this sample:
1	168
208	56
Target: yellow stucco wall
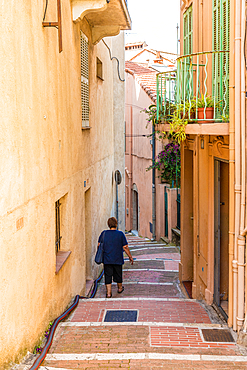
45	155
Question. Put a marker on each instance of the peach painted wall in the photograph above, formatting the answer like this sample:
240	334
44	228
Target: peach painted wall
197	177
138	158
138	155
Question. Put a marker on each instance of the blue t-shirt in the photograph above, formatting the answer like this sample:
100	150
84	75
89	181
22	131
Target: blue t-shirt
114	240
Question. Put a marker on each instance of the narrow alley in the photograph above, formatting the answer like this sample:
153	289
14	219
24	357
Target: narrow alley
152	325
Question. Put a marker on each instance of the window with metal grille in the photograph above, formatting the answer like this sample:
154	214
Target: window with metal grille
84	81
58	226
221	42
188	31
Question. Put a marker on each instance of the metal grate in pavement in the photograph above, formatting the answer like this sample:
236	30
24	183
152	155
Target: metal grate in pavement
121	316
217	335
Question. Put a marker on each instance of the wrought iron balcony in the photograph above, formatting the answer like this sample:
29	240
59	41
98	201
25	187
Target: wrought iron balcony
198	91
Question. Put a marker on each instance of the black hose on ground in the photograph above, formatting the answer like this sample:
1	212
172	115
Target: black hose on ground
46	348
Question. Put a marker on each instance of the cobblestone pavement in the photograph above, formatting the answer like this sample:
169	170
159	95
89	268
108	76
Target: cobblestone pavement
167	331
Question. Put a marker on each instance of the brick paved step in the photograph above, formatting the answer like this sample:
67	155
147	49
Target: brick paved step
145	264
143	290
160	253
149	245
169	265
127	339
150	310
153	257
150	276
145	365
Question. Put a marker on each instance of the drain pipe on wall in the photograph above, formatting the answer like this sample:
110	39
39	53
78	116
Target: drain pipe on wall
153	186
237	158
241	238
231	162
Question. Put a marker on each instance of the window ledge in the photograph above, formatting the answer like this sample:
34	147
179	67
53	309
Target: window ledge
86	127
61	258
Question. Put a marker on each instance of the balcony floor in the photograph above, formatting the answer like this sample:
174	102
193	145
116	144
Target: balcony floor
217	128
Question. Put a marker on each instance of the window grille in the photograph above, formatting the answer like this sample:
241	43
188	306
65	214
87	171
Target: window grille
58	228
84	80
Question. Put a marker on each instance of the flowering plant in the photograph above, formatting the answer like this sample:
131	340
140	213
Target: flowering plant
151	112
168	163
38	348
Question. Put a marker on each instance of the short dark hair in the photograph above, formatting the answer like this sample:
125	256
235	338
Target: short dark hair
112	222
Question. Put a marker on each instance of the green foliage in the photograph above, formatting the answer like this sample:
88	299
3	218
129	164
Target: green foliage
225	118
177	128
201	101
179	120
151	112
166	112
176	115
168	164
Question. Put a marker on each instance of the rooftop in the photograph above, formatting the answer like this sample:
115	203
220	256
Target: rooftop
145	76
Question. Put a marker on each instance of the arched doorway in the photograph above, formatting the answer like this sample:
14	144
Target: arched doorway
135	208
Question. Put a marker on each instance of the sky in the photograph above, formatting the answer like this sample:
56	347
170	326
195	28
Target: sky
155	22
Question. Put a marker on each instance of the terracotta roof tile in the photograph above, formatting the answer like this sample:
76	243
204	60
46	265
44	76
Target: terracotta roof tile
145	76
137	68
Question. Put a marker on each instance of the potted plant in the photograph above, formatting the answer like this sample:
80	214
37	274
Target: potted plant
208	108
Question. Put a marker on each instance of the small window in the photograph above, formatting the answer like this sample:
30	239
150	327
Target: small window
61	229
58	226
61	211
99	69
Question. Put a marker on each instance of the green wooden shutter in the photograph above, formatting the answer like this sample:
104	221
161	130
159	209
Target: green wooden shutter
188	31
221	41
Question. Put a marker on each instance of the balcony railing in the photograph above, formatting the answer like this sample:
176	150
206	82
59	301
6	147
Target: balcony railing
198	91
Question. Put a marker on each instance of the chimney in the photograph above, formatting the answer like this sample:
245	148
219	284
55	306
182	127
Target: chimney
158	55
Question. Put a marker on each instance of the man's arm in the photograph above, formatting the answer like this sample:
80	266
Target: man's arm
127	251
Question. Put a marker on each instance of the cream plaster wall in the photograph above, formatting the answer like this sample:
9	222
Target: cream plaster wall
119	122
45	155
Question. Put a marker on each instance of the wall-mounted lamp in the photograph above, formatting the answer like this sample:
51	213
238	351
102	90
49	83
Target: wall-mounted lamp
202	143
